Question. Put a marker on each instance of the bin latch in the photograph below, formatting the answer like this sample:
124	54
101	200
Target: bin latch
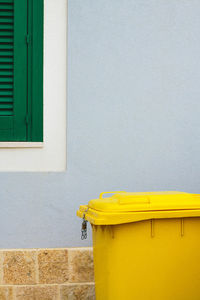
84	229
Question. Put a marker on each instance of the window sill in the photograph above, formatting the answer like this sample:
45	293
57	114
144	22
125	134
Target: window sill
21	144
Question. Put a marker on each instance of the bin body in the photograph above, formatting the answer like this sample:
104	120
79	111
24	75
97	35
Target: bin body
154	258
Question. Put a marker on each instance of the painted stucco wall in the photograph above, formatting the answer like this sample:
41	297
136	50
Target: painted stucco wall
133	117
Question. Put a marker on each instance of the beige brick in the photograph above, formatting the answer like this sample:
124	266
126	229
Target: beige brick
53	266
1	267
6	293
77	292
37	292
19	267
81	265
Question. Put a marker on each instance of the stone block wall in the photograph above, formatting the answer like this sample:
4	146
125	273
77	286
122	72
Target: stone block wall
47	274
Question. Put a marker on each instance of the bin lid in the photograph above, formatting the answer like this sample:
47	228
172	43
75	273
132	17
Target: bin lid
122	207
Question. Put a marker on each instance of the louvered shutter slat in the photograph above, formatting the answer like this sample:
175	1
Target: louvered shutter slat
6	26
6	20
5	92
6	74
6	53
7	99
6	66
6	86
6	33
7	1
6	79
7	7
6	39
6	13
6	57
6	47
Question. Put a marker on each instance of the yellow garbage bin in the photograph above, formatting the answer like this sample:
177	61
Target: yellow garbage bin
146	245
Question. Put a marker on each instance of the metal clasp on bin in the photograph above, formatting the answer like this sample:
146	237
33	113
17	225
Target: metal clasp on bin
84	227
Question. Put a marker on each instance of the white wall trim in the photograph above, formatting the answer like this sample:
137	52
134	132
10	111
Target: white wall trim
21	145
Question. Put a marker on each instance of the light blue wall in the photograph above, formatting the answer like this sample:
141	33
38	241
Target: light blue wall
133	117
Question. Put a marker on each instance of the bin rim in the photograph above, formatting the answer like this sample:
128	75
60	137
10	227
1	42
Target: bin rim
124	207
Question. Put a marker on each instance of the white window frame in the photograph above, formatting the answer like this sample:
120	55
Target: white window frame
51	154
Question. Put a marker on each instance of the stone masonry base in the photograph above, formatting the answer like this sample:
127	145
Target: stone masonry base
47	274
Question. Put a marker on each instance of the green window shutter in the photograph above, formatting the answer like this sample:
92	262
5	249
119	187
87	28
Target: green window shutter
21	70
35	54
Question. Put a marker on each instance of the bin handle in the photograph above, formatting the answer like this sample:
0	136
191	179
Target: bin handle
115	192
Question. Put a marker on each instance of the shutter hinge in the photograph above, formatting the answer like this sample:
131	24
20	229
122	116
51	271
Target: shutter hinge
27	119
28	39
